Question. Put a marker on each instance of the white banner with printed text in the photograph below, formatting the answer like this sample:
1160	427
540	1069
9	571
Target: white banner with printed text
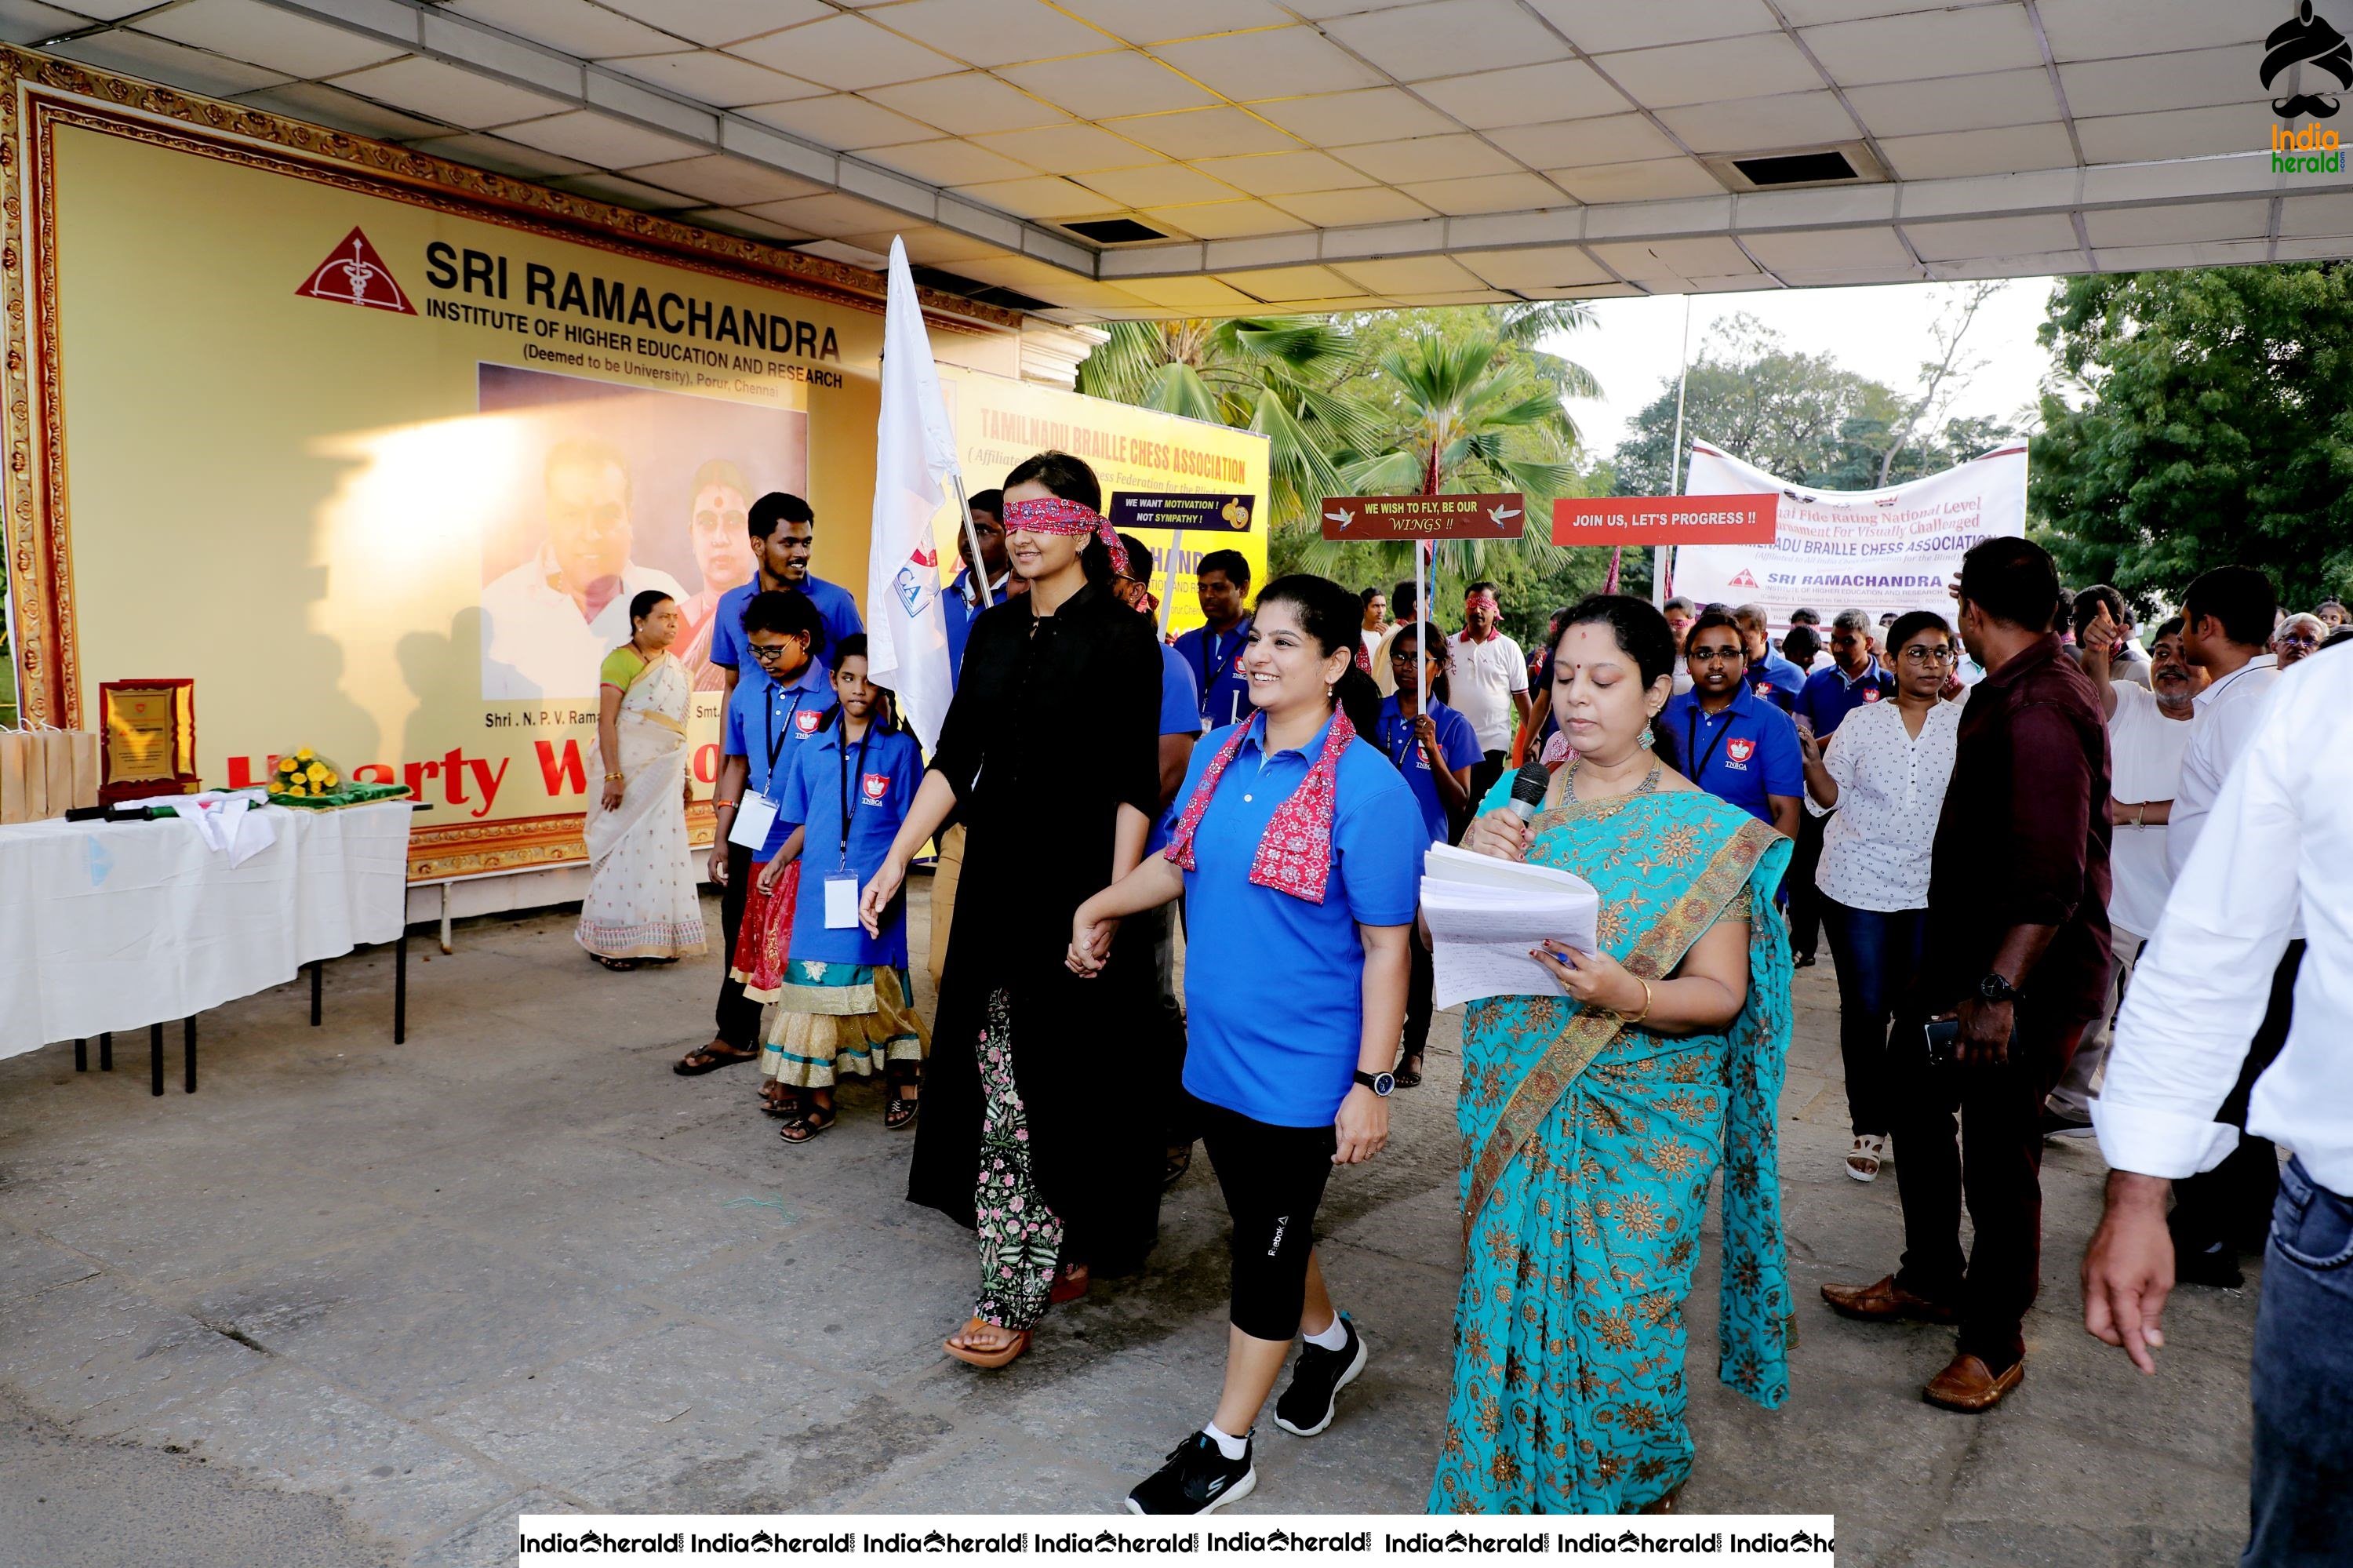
1872	550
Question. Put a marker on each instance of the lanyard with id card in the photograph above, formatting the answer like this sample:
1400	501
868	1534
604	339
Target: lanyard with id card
841	889
755	813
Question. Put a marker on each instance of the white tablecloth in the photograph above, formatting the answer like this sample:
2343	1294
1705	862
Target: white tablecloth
110	927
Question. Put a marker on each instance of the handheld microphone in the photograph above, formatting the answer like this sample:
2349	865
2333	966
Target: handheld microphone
1528	787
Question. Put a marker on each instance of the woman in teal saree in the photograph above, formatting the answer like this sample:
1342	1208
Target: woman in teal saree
1594	1121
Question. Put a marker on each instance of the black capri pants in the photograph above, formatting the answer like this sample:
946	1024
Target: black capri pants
1272	1177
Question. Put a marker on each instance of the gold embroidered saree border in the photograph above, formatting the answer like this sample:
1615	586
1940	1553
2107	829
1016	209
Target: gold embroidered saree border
1590	1033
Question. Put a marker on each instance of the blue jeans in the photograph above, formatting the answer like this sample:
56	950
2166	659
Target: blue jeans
1877	953
2303	1382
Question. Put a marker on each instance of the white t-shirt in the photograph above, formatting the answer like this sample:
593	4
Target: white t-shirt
535	641
1481	679
1373	641
2144	750
2229	712
1875	851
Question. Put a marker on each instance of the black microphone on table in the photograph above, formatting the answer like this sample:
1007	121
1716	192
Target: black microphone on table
1528	787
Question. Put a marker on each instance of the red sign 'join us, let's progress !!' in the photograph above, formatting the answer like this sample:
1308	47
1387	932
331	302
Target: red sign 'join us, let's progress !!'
1667	520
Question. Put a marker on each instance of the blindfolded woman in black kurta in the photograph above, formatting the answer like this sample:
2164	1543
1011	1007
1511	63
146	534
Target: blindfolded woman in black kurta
1031	1131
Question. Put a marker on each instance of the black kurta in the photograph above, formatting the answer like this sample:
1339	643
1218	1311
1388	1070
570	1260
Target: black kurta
1055	726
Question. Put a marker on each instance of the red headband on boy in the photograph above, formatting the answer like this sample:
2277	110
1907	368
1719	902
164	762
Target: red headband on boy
1052	514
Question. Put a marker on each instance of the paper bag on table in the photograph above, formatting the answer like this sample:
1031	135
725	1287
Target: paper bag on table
20	766
82	746
57	758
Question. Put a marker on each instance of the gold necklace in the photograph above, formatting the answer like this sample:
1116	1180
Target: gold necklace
1571	806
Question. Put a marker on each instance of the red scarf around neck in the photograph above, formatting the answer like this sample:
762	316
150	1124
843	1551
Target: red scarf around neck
1294	856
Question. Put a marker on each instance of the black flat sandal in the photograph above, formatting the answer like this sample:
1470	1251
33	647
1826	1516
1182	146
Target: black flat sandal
710	1059
899	1112
812	1120
1408	1071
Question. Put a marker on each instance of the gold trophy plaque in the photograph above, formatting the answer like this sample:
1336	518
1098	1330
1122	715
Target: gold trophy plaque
147	733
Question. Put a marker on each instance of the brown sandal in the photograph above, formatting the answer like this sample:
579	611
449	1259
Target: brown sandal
987	1359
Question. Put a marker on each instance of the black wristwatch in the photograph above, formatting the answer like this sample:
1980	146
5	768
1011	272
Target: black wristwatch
1994	988
1380	1083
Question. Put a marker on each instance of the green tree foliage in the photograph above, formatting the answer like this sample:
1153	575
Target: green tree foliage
2211	426
1801	416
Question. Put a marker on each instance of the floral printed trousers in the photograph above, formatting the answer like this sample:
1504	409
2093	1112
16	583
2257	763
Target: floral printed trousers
1021	1236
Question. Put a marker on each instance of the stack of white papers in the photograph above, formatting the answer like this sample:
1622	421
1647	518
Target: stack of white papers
1484	915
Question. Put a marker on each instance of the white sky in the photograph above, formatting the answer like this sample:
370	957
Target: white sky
1881	332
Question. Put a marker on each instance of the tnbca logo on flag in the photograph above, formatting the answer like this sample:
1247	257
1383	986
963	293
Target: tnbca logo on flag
918	581
354	274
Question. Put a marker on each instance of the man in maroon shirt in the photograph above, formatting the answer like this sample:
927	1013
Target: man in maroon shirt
2018	946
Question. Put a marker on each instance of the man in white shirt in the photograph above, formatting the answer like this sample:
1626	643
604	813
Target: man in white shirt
1487	682
548	624
2148	730
2227	617
2278	840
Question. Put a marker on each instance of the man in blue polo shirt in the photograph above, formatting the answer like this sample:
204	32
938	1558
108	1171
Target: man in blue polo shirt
783	531
1214	651
962	603
1768	674
1732	742
1852	678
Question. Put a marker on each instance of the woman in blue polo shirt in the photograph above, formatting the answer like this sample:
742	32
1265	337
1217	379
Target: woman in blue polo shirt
846	1005
1287	854
1436	752
1731	742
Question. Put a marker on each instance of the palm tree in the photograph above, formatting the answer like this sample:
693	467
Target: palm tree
1274	375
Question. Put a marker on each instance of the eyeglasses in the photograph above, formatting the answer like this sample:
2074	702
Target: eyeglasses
1919	654
1716	655
2299	639
769	653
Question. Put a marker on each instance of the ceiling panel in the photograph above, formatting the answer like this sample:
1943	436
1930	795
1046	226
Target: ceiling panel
265	35
1725	68
1204	133
1926	44
2190	79
1285	173
724	181
2175	134
1189	294
1573	144
1653	179
728	221
1803	13
1069	149
712	22
29	22
1099	86
1040	195
1282	62
832	215
1965	152
1761	124
2178	225
1598	25
2326	213
482	151
2089	30
1154	21
1287	284
1225	219
159	59
968	104
447	92
1543	270
1490	193
1526	95
1660	260
949	161
1158	185
600	139
722	82
575	27
1340	209
1957	103
1992	237
842	122
1446	38
322	105
1340	119
845	53
1830	250
1410	275
992	32
622	191
1426	158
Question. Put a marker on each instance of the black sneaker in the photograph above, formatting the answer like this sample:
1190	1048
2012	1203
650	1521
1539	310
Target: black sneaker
1307	1406
1198	1479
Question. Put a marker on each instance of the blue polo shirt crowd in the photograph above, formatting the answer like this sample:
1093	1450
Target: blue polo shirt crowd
1457	742
850	796
833	603
767	722
1741	755
1216	660
1829	695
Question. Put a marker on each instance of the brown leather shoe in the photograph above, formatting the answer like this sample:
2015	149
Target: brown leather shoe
1968	1386
1885	1302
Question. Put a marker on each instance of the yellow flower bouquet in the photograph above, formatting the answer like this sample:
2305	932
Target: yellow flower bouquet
303	778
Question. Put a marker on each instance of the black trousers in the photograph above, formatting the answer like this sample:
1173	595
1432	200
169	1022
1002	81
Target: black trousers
2230	1205
1273	1179
1805	899
1995	1164
1421	980
1485	773
737	1018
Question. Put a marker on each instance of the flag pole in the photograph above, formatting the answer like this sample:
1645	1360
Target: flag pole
1422	630
1168	599
1663	569
972	541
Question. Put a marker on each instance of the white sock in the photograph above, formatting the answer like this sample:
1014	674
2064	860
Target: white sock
1334	1338
1231	1448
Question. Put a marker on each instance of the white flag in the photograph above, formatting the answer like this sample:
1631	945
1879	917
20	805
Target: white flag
914	452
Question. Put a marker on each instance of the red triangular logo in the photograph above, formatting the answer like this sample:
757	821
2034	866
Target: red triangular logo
1743	580
354	274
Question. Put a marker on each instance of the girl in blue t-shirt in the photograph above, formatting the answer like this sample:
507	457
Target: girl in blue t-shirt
846	1007
1298	901
1436	752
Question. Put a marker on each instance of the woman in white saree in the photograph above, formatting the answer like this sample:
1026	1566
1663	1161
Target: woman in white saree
643	905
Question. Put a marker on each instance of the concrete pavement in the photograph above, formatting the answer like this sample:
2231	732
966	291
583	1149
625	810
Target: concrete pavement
359	1304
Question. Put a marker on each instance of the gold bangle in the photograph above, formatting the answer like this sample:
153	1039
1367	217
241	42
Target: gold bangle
617	778
1636	1018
